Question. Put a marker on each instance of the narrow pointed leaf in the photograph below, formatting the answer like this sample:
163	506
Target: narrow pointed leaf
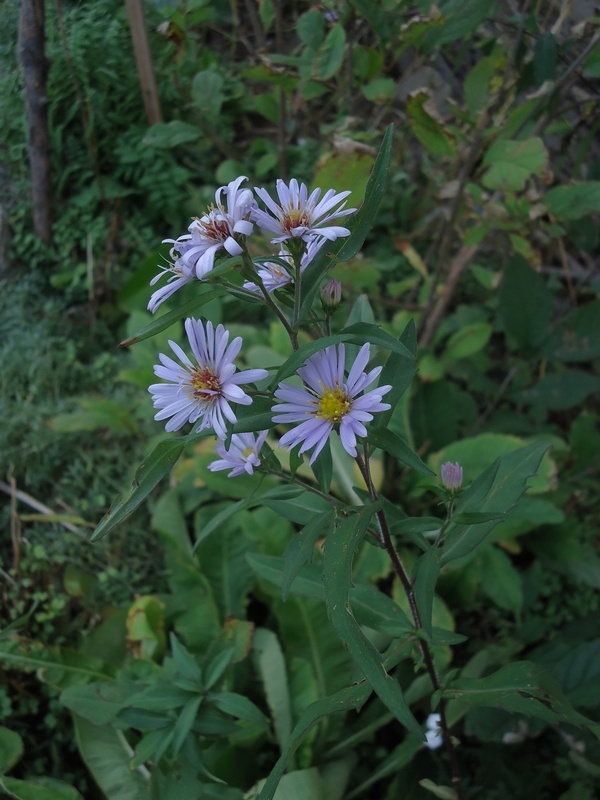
300	550
340	548
171	317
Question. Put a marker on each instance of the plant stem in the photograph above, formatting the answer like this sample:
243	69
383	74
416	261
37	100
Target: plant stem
364	467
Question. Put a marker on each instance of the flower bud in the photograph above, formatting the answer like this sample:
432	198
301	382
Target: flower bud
452	476
331	295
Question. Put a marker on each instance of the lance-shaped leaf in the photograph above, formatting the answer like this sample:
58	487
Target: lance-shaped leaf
344	700
360	225
495	491
397	447
171	317
300	550
520	688
337	576
157	466
398	372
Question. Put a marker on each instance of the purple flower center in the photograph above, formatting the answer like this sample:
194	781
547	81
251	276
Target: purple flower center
334	404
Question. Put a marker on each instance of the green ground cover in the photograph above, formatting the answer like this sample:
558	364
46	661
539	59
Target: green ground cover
486	236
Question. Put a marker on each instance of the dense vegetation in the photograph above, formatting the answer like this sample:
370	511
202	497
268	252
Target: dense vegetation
486	236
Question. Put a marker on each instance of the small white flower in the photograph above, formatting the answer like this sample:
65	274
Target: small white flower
301	215
243	454
327	399
202	391
433	735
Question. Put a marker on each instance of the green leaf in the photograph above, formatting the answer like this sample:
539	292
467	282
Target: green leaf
371	607
427	125
156	467
379	90
322	468
497	491
359	225
574	201
165	321
165	135
366	333
38	789
11	749
330	55
526	304
270	665
398	372
299	507
310	28
500	581
340	547
511	162
207	94
107	755
344	700
301	548
397	447
443	792
545	58
467	341
520	688
578	335
427	570
561	390
184	723
56	663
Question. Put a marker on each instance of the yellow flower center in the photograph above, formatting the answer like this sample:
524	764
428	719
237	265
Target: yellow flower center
247	452
295	218
334	404
205	384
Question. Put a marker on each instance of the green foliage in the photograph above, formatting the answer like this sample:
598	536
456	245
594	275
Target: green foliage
275	654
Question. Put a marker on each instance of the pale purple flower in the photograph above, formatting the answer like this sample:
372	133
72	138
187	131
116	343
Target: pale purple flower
276	276
243	454
180	275
331	296
301	215
204	390
193	254
328	400
452	476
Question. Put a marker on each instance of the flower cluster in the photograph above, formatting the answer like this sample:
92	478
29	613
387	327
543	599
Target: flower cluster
205	389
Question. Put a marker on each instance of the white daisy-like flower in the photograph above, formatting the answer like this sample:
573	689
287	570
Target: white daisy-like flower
301	215
204	390
433	737
193	254
275	276
243	454
329	400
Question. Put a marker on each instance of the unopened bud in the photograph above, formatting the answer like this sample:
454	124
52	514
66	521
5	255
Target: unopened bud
452	476
331	296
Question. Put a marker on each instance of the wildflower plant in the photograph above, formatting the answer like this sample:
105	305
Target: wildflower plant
335	387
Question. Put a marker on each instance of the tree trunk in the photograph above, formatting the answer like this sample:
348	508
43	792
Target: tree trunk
35	71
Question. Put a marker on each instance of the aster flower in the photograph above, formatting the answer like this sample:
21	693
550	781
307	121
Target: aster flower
204	390
451	474
328	400
193	254
275	276
242	456
301	215
180	275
